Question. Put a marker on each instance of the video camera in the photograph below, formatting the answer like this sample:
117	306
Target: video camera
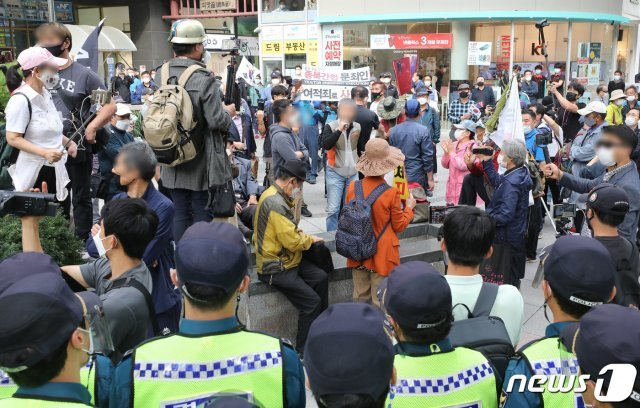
542	24
544	137
21	204
564	210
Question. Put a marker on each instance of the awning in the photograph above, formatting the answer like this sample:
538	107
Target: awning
111	39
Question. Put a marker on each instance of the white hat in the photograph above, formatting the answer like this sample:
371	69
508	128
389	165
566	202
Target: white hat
36	56
617	94
595	106
122	109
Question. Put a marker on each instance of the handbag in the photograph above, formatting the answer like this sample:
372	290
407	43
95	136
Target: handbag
223	200
497	269
102	184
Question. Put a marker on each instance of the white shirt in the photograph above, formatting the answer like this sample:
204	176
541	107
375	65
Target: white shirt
44	130
508	306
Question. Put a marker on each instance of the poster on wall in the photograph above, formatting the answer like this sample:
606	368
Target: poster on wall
356	36
594	52
583	53
64	11
479	53
331	85
434	41
332	47
402	71
593	74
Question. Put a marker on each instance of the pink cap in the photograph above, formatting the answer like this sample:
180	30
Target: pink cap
36	56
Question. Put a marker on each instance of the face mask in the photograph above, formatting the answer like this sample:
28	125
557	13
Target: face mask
589	121
630	121
619	102
102	251
50	80
423	101
146	80
375	95
616	77
605	156
427	83
121	187
464	94
55	50
571	96
294	119
557	70
386	81
538	71
480	83
123	125
275	81
526	129
501	161
206	57
631	98
527	78
459	134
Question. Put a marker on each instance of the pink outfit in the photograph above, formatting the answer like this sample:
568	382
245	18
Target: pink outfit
454	161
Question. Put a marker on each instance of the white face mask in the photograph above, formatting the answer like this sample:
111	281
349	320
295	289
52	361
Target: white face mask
631	98
146	80
386	81
616	77
102	251
619	102
557	70
422	100
275	81
459	134
50	80
123	125
605	156
427	83
630	121
527	78
526	129
501	161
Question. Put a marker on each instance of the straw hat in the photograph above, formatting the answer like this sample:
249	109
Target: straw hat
379	158
391	108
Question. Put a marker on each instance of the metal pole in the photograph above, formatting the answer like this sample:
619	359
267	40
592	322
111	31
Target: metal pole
614	56
511	48
52	13
567	73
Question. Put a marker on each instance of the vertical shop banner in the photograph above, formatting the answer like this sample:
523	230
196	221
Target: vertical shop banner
312	52
320	84
332	47
503	52
402	69
479	53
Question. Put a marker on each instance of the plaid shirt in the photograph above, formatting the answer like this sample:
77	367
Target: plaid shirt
457	109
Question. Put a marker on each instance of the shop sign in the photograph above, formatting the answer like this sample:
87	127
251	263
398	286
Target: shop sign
479	53
295	31
331	85
312	53
503	51
295	47
271	32
217	5
272	48
411	41
332	42
313	30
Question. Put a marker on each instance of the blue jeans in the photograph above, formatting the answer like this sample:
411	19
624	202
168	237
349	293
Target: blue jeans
189	209
336	193
309	136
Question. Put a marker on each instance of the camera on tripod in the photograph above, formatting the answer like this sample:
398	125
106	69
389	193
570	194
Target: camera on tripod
21	204
564	210
544	137
542	24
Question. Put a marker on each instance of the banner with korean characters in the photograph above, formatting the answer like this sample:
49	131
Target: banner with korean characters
328	85
332	47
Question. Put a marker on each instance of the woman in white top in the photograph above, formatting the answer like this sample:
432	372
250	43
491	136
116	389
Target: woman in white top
37	132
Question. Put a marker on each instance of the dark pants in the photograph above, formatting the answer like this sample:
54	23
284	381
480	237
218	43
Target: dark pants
246	220
518	263
472	187
80	175
189	209
533	229
307	287
309	136
47	175
435	158
169	319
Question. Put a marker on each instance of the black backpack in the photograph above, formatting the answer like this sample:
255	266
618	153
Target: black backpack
484	333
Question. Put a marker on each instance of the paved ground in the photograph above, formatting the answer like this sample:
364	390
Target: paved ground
535	322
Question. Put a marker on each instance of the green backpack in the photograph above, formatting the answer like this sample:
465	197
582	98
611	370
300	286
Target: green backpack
9	155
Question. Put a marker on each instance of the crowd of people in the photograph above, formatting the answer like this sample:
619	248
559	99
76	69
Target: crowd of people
151	317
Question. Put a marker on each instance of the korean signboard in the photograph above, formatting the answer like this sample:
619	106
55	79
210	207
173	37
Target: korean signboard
216	5
272	48
411	41
332	42
479	53
312	52
295	47
331	85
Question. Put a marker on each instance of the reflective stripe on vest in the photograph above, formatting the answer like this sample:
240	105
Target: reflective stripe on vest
182	371
549	357
461	377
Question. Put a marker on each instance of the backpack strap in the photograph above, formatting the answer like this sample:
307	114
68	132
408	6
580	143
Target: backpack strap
486	299
28	106
120	283
357	189
164	72
184	77
377	192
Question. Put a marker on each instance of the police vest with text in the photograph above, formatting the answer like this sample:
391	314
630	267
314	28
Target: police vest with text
461	377
549	357
188	370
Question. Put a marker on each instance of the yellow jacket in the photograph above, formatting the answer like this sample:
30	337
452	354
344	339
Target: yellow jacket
614	114
278	241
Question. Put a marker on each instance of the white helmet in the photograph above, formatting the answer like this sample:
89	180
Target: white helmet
187	32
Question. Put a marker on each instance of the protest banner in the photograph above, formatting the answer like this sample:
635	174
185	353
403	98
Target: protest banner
327	85
247	71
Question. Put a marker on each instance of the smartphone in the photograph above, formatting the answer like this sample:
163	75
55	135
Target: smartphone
261	104
485	151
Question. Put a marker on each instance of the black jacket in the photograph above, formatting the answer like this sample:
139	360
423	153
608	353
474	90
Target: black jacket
625	256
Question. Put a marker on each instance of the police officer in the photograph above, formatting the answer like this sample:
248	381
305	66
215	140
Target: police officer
578	275
212	352
596	347
348	357
46	335
431	372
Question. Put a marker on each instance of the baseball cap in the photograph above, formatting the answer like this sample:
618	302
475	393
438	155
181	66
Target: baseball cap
349	352
609	334
276	74
609	199
421	90
212	254
296	167
35	56
385	75
595	106
467	124
579	267
414	293
412	108
122	109
462	86
44	311
479	124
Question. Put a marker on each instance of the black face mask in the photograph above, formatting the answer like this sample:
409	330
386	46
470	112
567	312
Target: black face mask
464	94
120	187
480	83
374	95
56	50
571	96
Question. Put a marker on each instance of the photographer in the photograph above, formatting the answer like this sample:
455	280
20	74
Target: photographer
613	151
33	124
568	116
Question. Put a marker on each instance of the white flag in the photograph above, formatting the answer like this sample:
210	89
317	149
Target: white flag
247	71
510	121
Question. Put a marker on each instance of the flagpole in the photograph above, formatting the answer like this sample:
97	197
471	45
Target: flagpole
52	13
